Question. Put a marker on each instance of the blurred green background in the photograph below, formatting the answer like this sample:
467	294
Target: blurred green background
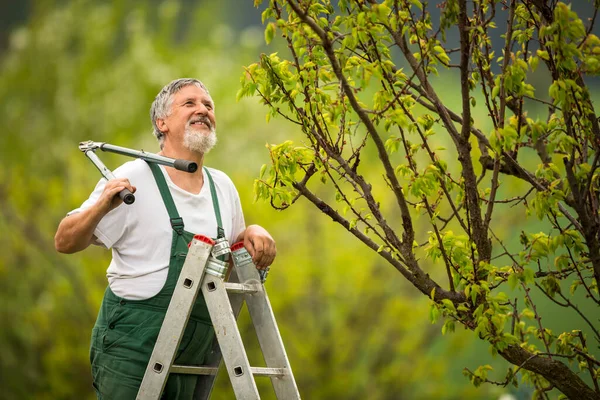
89	70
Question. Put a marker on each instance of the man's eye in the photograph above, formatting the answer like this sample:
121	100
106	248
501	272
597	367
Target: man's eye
209	106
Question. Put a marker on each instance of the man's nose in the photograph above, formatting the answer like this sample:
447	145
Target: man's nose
201	109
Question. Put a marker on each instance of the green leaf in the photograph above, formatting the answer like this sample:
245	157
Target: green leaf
527	313
269	32
513	280
263	169
543	54
574	287
529	275
474	292
383	12
533	62
449	305
495	91
434	313
448	326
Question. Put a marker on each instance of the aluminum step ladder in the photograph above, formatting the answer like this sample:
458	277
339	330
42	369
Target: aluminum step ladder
205	270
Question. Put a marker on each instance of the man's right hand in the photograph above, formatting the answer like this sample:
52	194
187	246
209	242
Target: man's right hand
76	231
109	199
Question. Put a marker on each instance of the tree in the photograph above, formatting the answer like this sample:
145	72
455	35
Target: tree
361	82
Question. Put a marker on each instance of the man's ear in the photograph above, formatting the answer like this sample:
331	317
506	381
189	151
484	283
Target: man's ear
162	125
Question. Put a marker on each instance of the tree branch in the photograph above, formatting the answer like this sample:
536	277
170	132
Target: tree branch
408	236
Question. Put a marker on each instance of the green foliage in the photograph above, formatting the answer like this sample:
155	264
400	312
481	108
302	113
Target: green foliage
393	157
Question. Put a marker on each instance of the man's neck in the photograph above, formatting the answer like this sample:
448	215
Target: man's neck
190	182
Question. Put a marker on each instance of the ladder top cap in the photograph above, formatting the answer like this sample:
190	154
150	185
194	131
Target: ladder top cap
237	246
204	239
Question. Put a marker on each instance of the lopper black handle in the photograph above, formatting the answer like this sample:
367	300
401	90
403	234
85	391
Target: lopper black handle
127	196
185	165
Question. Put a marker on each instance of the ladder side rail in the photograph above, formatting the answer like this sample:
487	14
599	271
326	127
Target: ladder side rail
229	338
214	359
267	332
175	321
271	345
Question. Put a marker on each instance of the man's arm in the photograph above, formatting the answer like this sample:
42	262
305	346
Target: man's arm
76	232
259	244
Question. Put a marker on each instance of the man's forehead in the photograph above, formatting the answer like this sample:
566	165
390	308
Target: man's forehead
192	91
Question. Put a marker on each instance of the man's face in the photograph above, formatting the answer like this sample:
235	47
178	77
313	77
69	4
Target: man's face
192	119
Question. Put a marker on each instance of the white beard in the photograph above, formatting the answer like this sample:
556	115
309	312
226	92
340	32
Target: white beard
199	142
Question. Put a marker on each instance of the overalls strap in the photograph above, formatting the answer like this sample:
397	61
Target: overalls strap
215	200
176	220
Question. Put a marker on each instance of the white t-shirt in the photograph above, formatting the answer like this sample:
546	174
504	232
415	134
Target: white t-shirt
140	234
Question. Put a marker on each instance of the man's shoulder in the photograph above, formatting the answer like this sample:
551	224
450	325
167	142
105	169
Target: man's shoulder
219	176
135	169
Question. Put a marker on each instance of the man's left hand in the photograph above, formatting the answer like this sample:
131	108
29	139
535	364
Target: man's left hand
260	245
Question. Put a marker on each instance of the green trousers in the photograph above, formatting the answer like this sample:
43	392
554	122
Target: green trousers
123	340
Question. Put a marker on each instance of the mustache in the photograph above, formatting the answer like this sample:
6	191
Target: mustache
200	119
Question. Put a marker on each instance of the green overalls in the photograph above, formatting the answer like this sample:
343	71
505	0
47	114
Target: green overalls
126	330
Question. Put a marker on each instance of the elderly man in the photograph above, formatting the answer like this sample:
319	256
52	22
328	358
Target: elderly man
149	243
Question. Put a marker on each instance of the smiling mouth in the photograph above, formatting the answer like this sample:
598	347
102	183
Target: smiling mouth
200	123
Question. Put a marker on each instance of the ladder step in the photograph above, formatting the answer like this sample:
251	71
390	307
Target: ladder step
190	370
257	371
262	371
242	287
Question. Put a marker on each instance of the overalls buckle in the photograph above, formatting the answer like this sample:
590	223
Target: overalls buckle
177	224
